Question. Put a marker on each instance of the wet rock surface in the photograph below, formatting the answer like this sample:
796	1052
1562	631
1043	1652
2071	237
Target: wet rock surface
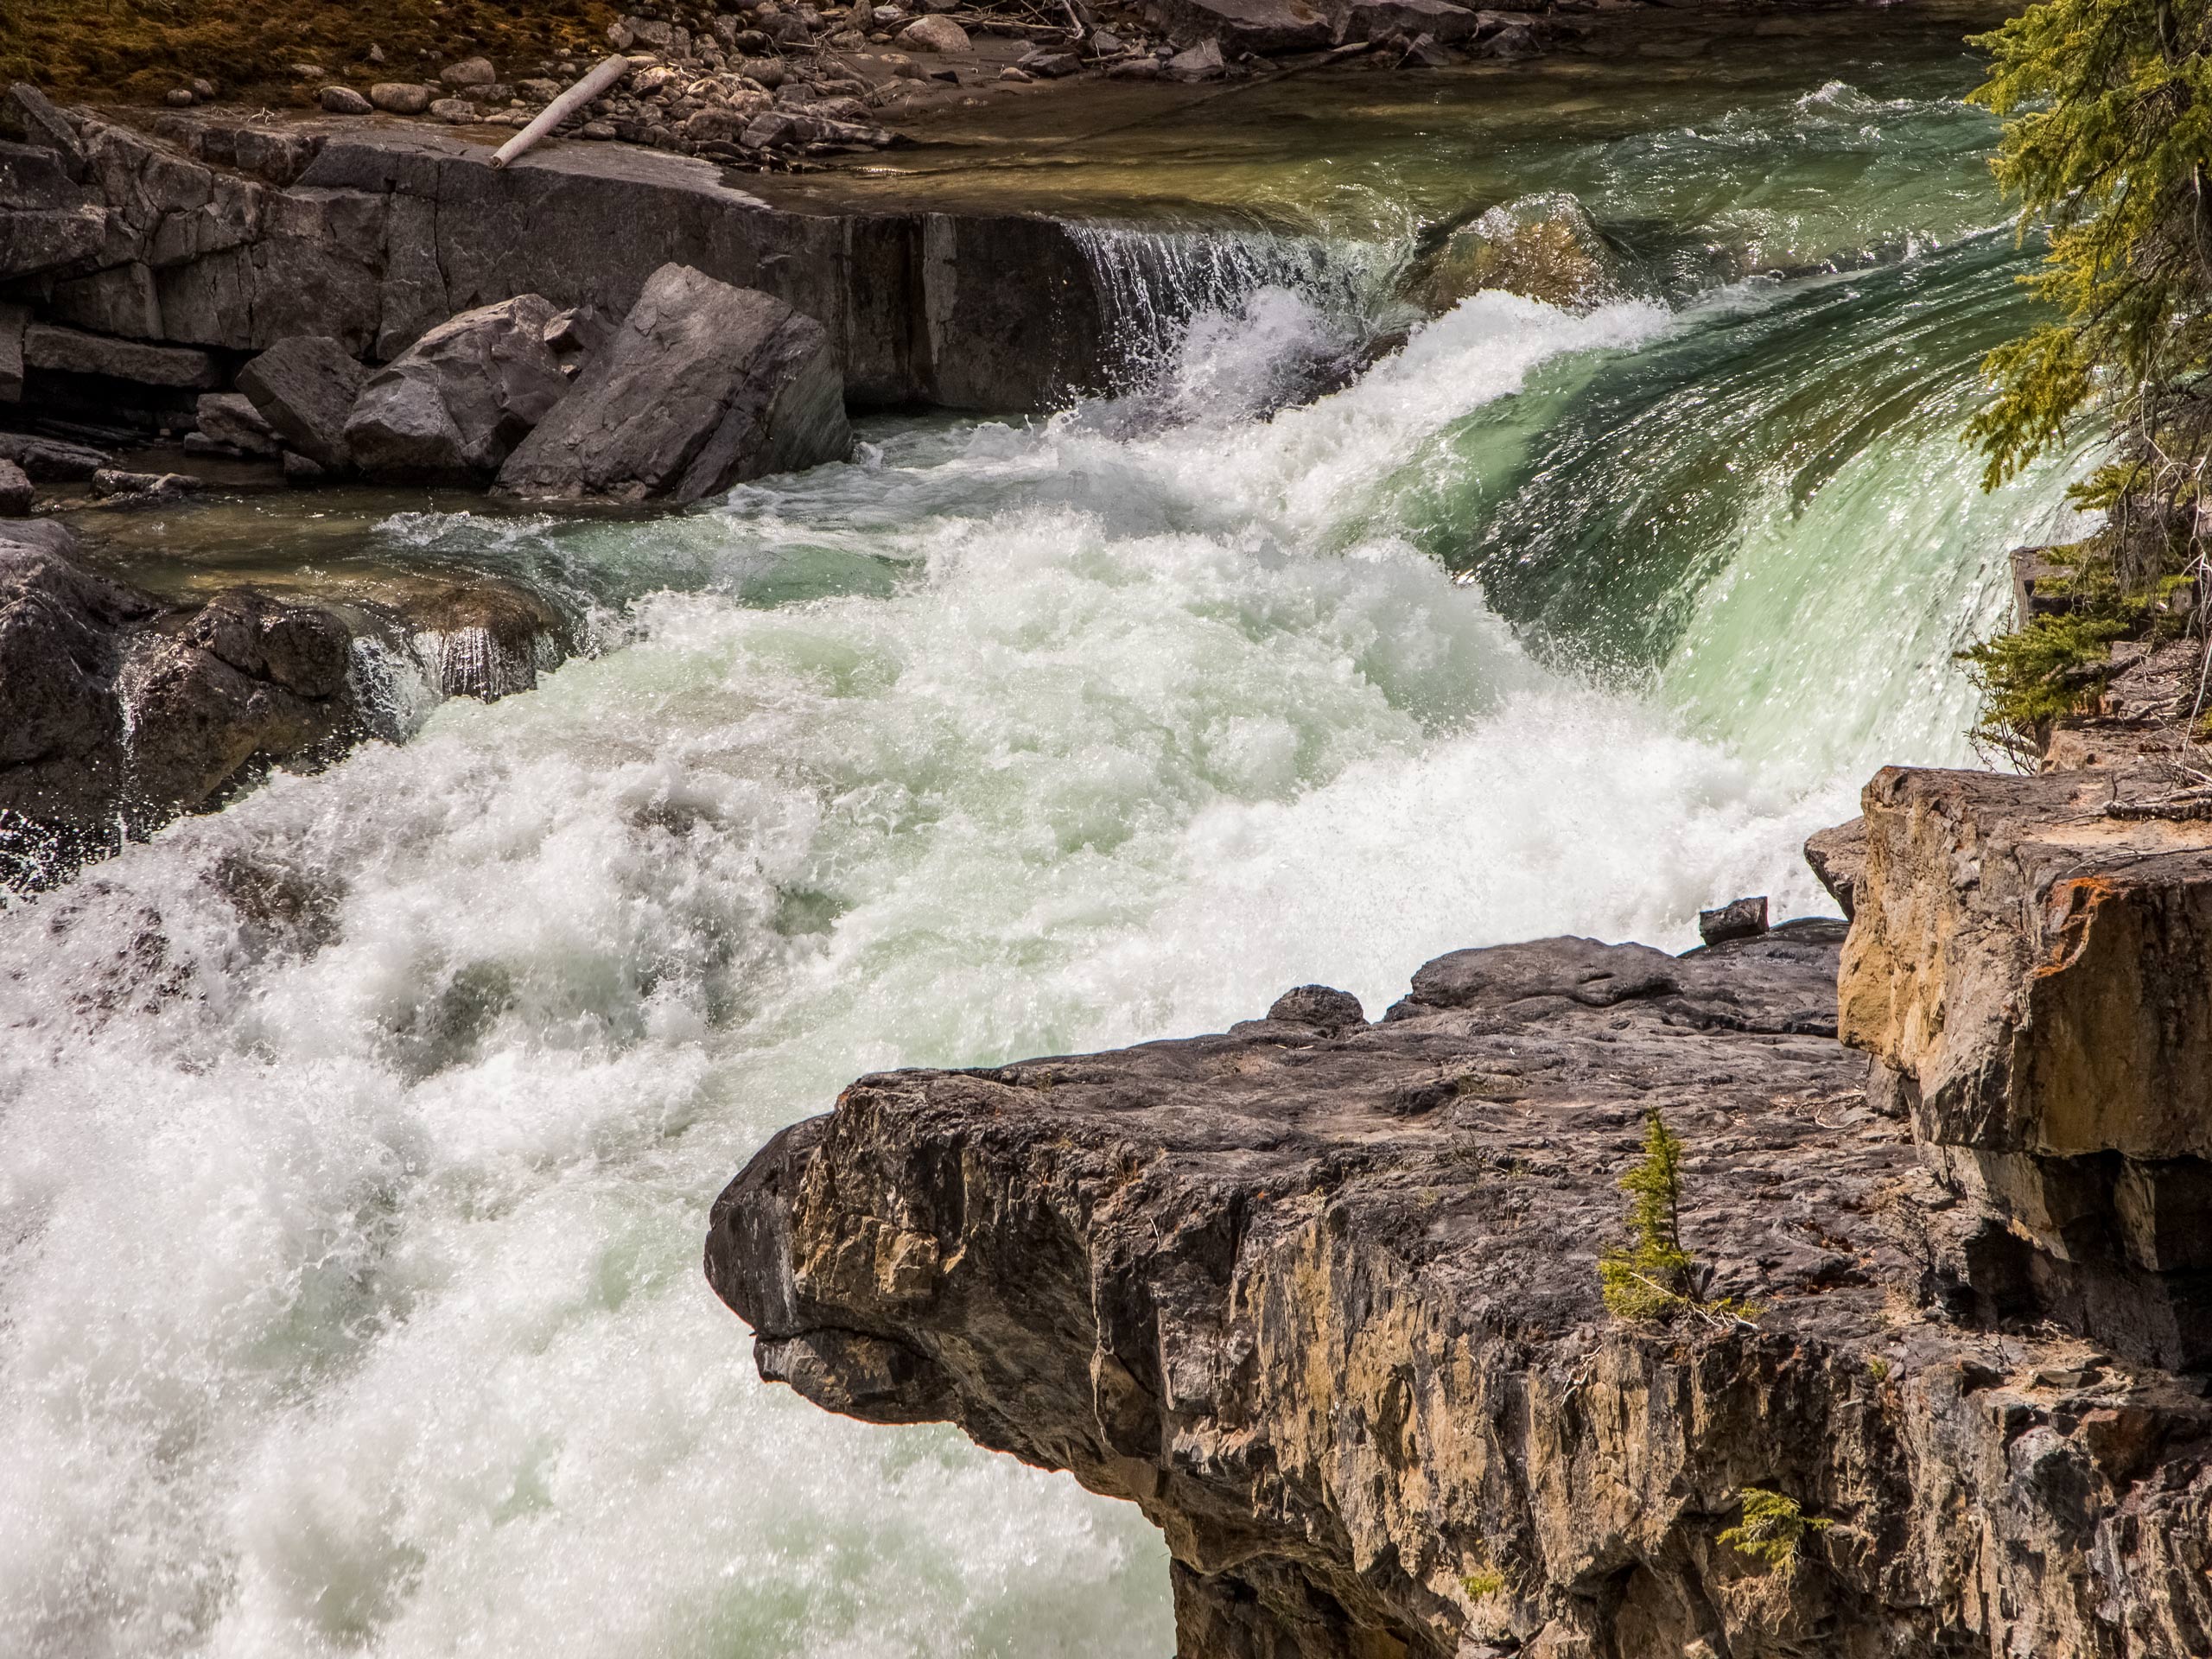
1321	1297
1545	247
116	715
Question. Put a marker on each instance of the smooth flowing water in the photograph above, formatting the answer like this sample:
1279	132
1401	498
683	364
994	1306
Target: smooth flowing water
360	1137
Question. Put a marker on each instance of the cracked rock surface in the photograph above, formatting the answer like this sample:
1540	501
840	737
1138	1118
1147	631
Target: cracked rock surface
1320	1296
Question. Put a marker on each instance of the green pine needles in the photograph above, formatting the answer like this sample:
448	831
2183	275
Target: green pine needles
1772	1528
2107	145
1653	1276
2108	126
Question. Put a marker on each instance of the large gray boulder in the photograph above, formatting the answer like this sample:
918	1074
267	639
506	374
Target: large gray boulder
703	386
305	388
453	405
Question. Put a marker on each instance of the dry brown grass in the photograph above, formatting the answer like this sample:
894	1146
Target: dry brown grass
134	50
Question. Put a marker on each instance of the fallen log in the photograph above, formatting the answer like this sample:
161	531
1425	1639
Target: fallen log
604	76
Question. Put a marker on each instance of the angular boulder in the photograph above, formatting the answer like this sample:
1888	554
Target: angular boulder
1838	859
305	388
1200	62
703	386
453	405
40	241
14	490
48	129
230	418
247	682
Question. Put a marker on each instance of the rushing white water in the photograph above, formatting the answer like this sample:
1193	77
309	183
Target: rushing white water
360	1137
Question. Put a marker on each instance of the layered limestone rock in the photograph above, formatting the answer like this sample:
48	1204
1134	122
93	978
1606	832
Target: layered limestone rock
1321	1297
216	236
2031	965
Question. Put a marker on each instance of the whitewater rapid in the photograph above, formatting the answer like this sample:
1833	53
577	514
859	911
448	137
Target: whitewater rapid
348	1241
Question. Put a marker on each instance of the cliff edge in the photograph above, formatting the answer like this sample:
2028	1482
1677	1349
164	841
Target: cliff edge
1321	1296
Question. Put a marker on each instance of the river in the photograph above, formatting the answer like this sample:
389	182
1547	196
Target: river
349	1257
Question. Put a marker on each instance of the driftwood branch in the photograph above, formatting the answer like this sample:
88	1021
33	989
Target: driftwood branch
608	72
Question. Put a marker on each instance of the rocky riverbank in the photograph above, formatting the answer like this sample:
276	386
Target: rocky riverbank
336	302
1321	1295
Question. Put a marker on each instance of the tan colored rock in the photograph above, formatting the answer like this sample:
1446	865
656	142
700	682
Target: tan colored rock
2035	965
2033	975
933	34
470	72
400	97
1544	247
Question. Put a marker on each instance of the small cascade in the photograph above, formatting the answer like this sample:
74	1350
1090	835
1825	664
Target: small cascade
474	662
392	688
1154	283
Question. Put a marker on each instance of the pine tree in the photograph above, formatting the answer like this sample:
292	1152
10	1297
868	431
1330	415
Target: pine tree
2107	144
2108	129
1653	1276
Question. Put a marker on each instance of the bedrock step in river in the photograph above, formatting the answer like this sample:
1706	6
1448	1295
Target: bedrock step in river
1426	512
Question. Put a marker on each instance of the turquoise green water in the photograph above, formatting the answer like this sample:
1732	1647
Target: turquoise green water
351	1281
